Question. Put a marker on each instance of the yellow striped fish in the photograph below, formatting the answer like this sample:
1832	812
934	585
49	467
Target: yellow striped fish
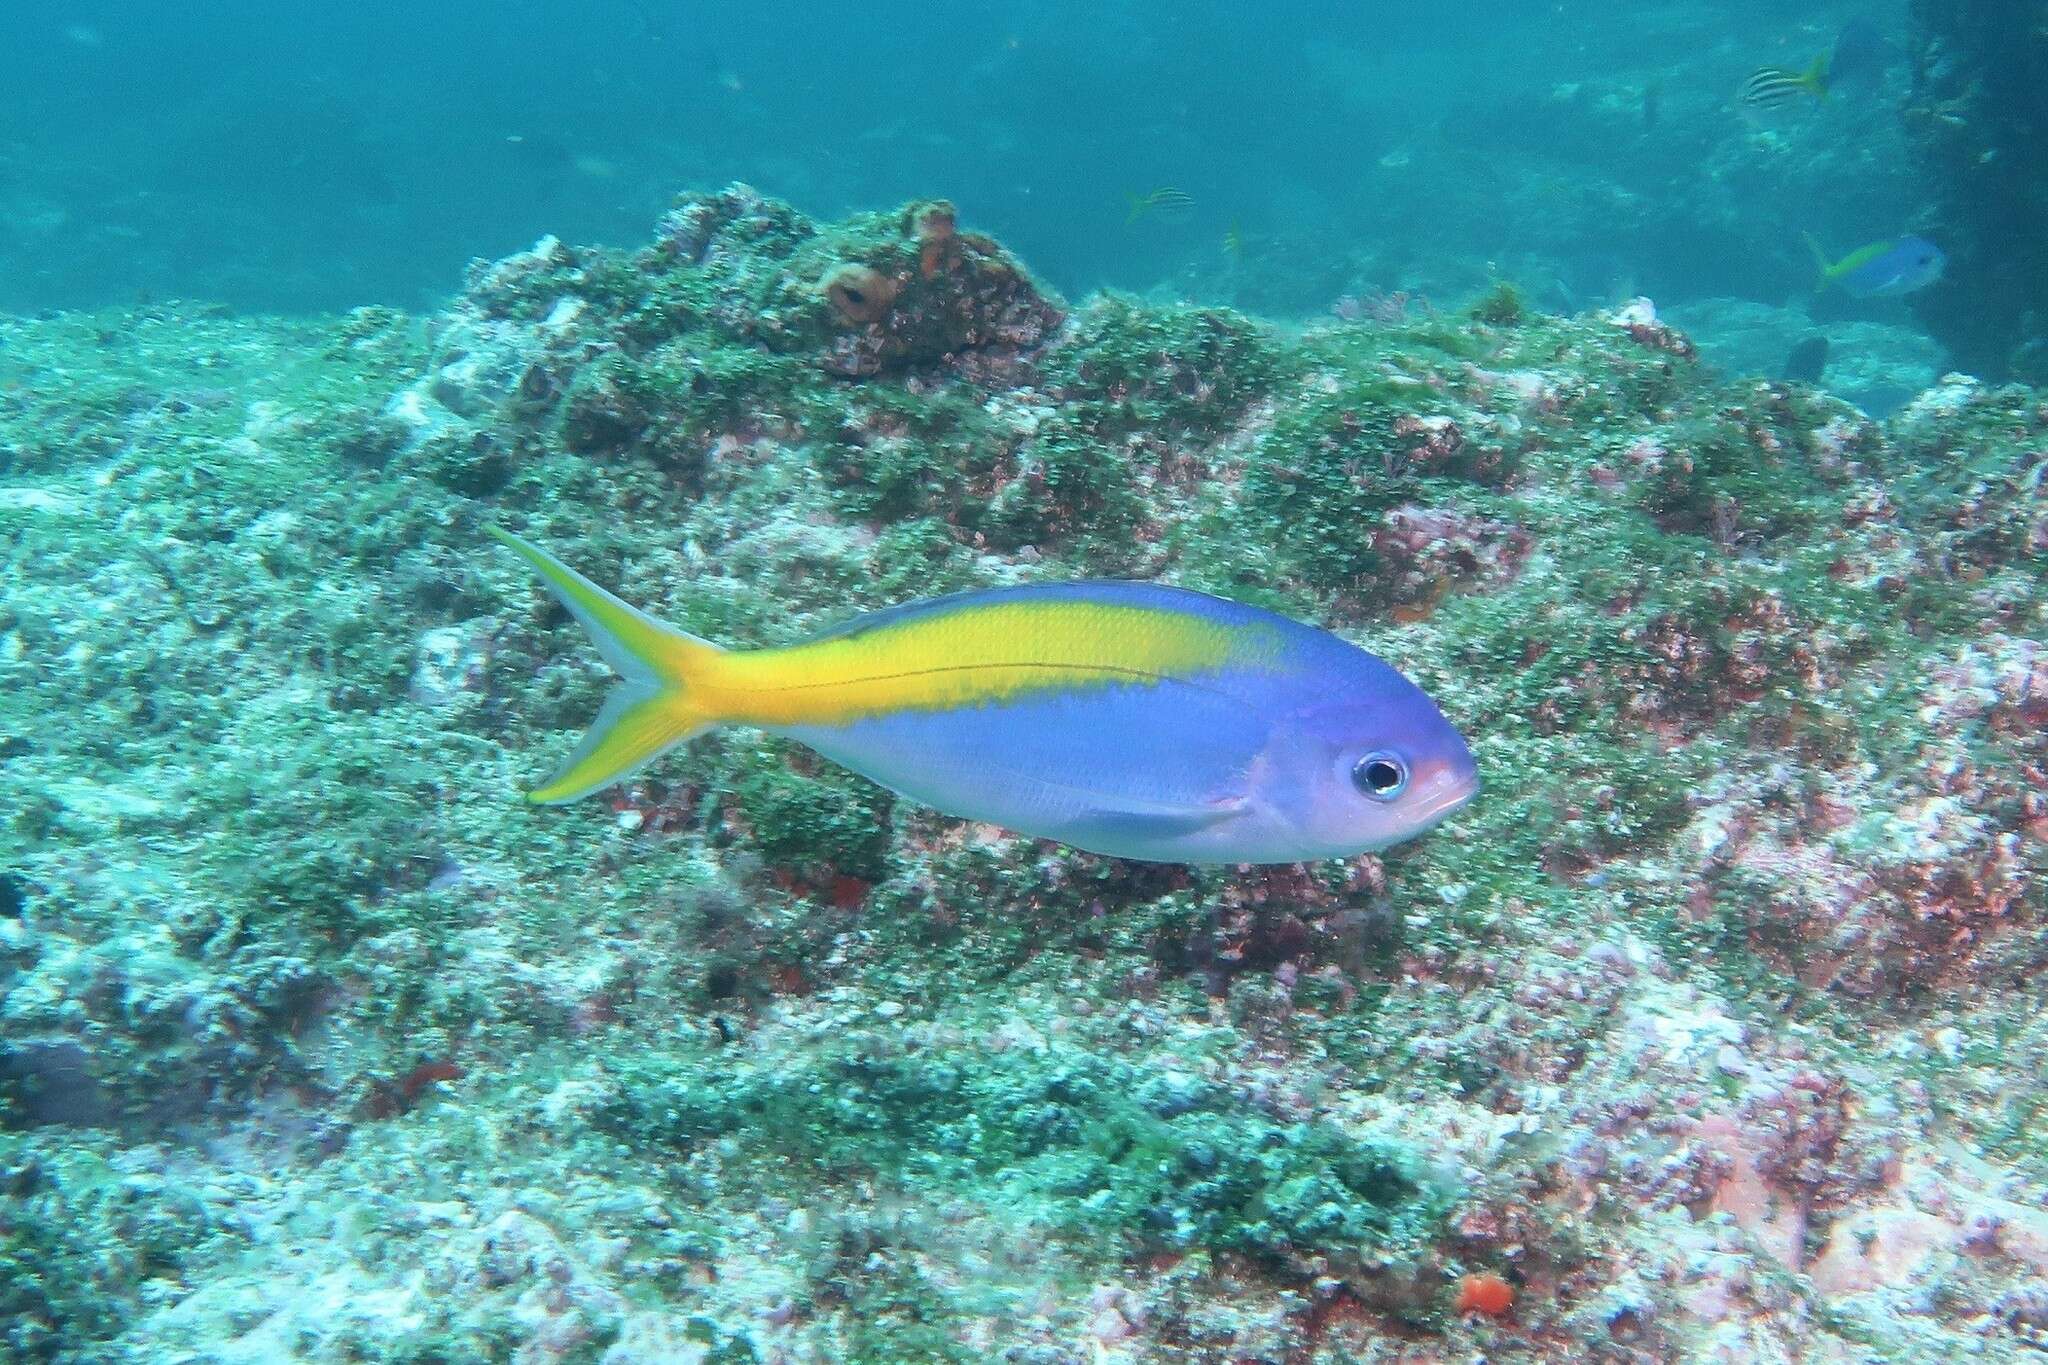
1771	89
1130	719
1165	197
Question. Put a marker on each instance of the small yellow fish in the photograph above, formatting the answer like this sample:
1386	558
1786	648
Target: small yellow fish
1233	244
1165	197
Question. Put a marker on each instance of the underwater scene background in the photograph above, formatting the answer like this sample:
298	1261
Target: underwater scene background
1656	387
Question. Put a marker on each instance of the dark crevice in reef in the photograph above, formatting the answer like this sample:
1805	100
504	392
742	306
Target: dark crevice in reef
1977	119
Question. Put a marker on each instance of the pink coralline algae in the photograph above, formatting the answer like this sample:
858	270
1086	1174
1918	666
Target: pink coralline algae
1639	319
1428	552
1676	673
1428	443
1928	886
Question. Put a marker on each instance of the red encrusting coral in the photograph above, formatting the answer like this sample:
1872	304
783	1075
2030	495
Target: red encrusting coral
1484	1292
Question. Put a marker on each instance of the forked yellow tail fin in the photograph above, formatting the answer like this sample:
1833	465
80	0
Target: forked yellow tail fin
1816	77
650	710
1820	261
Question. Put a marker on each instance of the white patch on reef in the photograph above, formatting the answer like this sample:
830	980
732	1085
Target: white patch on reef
101	804
448	661
1685	1023
1950	394
1637	312
38	500
409	407
562	318
1710	830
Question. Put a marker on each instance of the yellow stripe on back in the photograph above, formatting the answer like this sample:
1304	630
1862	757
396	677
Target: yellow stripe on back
978	655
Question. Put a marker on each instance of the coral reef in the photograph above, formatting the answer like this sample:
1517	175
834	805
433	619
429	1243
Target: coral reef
1712	1031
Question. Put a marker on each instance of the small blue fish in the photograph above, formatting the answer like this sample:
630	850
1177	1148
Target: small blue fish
1882	270
1126	718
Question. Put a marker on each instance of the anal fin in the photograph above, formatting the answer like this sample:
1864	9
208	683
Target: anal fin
1142	833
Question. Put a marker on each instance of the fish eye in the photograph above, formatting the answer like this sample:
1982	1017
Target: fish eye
1381	776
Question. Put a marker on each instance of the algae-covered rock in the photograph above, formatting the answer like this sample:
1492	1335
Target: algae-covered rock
610	343
316	1042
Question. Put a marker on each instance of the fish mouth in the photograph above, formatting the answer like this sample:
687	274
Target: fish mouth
1443	790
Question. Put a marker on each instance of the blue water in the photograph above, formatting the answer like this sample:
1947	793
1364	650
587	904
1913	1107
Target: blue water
336	156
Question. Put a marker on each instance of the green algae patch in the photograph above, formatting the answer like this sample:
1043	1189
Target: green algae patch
1132	367
1078	1141
1740	477
1333	464
814	819
1503	306
88	1235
